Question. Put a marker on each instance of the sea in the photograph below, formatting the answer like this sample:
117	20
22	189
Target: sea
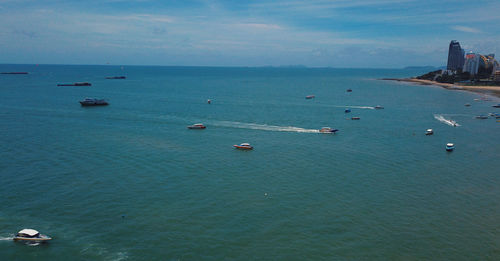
129	181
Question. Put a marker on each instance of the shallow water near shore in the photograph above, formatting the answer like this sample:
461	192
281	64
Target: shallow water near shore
129	181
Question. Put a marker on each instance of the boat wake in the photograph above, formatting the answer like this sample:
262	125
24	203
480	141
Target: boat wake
357	107
7	238
442	119
264	127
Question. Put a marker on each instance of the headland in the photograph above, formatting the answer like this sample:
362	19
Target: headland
489	89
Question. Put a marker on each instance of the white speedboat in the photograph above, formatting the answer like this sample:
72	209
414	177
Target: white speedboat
243	146
378	107
197	126
31	235
328	130
450	147
429	132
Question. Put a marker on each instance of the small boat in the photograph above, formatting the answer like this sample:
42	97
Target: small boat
450	147
93	102
467	105
328	130
243	146
209	101
31	235
355	118
349	90
197	126
75	84
310	97
347	110
482	117
494	115
378	107
496	106
429	132
116	77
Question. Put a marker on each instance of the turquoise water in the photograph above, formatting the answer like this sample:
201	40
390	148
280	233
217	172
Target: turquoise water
130	182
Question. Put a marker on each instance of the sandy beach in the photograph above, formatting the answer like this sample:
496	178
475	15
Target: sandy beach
495	90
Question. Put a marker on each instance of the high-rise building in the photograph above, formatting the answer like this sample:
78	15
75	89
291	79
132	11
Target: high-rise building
455	56
471	64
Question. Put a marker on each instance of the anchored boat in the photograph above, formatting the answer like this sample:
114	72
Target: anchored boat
243	146
93	102
31	235
429	132
75	84
450	147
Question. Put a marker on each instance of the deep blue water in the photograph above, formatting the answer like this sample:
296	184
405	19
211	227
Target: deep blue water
130	182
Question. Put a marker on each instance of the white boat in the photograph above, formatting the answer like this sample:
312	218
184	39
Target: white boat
429	132
378	107
243	146
450	147
198	126
328	130
31	235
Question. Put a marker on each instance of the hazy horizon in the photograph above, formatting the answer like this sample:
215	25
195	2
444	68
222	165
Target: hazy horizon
317	33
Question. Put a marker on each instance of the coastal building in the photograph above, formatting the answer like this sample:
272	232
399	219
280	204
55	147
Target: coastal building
455	56
496	76
471	64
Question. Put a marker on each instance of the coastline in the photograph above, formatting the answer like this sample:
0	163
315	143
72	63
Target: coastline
494	90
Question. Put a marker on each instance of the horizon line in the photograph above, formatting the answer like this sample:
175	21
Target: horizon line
291	66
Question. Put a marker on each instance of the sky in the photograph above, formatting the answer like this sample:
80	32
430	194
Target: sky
314	33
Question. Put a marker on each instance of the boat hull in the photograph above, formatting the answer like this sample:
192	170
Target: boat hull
243	147
196	128
85	104
33	239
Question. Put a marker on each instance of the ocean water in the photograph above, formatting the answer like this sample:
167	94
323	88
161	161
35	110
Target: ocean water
130	182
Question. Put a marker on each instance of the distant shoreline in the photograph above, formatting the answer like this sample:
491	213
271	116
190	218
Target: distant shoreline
495	90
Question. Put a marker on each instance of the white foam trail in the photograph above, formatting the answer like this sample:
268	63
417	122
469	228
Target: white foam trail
442	119
6	238
265	127
356	107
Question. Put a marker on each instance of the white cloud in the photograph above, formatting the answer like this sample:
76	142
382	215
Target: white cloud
465	29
